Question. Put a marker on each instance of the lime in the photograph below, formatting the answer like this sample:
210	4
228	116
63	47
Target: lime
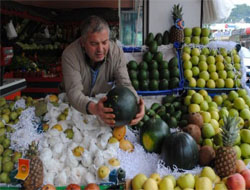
8	166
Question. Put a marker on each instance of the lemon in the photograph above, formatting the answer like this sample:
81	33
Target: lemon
138	181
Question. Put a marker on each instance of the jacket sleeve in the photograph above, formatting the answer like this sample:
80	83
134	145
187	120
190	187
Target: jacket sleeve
121	74
73	82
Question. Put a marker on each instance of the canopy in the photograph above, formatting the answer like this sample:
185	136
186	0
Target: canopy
216	10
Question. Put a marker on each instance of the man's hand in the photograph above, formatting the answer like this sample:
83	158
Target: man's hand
139	115
103	112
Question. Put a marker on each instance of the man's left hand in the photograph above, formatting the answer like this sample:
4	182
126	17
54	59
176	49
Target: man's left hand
139	115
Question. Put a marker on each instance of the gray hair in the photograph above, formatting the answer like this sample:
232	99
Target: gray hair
93	24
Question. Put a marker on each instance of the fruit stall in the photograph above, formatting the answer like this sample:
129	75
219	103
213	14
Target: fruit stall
195	134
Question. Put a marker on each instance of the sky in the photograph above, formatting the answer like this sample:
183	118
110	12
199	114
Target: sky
241	2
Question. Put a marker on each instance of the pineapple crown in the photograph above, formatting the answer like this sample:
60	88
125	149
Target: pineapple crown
230	130
33	150
177	12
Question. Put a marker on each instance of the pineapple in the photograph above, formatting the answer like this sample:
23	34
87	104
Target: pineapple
176	31
225	160
35	179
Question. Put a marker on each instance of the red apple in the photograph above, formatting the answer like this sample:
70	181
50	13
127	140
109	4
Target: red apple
246	174
73	187
92	186
240	166
236	182
48	187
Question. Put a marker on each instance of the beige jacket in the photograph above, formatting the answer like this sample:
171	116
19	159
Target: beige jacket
77	74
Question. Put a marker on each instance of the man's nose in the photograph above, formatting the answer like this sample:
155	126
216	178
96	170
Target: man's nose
99	47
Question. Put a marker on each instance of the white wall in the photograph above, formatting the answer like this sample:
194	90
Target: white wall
160	17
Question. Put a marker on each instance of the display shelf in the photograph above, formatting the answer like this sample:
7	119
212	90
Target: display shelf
11	86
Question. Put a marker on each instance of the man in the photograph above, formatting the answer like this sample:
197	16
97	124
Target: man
91	65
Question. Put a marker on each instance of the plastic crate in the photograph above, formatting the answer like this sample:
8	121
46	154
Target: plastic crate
177	90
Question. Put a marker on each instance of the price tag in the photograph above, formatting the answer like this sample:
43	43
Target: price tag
23	169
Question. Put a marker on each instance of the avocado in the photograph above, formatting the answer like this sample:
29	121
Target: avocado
153	47
147	56
149	38
158	38
165	39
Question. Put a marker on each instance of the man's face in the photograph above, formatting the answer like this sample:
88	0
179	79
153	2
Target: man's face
97	45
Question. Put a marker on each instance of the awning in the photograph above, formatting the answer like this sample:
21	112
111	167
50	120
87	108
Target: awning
216	10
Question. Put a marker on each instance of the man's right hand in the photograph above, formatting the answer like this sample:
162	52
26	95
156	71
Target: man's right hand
104	113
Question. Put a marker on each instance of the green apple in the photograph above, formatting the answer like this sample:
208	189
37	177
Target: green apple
203	65
138	181
203	92
150	184
187	100
204	106
195	40
204	40
230	74
187	40
245	150
247	161
228	59
239	103
187	64
192	82
203	183
156	177
236	59
220	83
210	83
195	52
208	99
215	125
223	112
242	92
206	116
208	142
208	172
214	76
205	32
218	99
193	108
238	151
188	32
207	130
172	178
223	52
194	60
202	57
213	52
201	83
229	67
210	60
204	75
190	92
220	66
197	98
186	56
186	181
196	31
205	51
186	49
233	112
219	58
245	135
222	74
229	83
245	114
232	95
188	73
237	66
195	71
220	186
214	115
166	183
246	99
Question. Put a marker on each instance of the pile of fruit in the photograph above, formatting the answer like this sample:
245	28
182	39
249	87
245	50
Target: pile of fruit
153	73
205	180
196	35
211	68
